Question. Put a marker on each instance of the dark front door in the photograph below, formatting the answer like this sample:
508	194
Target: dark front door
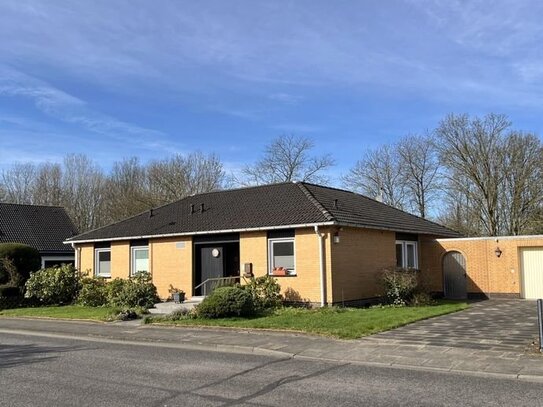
212	265
454	276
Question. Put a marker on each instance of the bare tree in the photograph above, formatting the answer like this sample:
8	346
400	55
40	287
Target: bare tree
379	175
47	188
127	192
522	196
472	151
419	172
458	212
83	186
288	158
179	176
18	183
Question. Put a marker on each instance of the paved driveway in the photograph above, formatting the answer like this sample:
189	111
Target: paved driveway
502	325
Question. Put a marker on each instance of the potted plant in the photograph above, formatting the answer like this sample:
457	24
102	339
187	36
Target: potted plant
279	271
178	295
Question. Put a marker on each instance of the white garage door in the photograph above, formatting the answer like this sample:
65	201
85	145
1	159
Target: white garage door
532	272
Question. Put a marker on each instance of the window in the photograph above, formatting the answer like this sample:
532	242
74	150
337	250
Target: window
139	259
281	257
102	266
406	254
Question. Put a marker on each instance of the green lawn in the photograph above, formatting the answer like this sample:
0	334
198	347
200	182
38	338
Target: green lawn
346	323
66	311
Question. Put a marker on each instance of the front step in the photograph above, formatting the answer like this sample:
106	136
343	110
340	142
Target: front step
170	306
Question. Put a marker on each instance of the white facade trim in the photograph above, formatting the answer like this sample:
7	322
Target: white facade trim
210	232
489	238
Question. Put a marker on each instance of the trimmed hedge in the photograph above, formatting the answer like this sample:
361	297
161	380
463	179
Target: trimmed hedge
227	302
25	258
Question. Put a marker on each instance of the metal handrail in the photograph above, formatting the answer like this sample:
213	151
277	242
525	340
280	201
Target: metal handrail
204	283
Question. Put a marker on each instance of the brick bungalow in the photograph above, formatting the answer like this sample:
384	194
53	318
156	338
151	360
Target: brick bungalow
43	227
324	245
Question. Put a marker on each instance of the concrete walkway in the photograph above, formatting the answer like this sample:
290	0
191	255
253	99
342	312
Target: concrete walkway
378	350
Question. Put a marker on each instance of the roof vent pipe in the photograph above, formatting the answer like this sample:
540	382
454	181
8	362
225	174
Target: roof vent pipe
191	209
335	204
151	212
201	208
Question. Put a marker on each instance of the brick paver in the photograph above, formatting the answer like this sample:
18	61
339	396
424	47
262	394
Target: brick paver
501	325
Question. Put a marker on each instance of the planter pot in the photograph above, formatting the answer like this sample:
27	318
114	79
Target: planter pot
178	297
280	272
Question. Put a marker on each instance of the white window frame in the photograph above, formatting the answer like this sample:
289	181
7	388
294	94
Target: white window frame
97	262
271	242
133	250
404	244
60	259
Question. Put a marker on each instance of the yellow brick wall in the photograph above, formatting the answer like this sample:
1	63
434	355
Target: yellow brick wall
120	259
168	264
171	265
486	272
253	248
306	283
86	258
357	262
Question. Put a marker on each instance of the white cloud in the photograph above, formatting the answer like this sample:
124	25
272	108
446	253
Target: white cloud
70	109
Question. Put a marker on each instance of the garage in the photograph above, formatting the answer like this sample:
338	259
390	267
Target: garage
532	272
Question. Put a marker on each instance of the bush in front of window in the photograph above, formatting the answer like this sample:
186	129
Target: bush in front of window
226	302
265	292
54	285
399	285
137	291
93	293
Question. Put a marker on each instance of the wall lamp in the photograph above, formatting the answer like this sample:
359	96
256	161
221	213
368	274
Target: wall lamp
498	252
336	238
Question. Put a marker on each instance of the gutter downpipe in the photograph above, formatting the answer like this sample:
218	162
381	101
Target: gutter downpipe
321	266
76	256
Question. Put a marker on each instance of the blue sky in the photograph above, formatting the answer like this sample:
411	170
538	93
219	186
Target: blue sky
148	78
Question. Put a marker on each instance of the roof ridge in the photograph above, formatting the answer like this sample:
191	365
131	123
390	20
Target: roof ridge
385	204
33	205
316	202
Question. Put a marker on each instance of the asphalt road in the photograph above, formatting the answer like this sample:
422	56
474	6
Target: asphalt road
64	372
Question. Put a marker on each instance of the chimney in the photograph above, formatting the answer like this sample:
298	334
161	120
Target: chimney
191	209
379	197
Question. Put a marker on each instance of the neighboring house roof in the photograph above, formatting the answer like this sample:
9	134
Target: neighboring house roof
42	227
280	205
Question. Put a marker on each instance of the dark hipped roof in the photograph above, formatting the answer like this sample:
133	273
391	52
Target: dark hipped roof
267	206
42	227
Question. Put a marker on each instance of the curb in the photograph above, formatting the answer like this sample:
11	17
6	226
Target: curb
240	349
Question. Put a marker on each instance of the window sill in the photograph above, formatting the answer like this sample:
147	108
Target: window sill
283	275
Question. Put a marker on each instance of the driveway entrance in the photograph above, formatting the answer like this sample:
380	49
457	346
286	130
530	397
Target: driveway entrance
503	325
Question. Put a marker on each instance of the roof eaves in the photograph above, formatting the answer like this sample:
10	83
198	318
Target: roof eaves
392	229
205	232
